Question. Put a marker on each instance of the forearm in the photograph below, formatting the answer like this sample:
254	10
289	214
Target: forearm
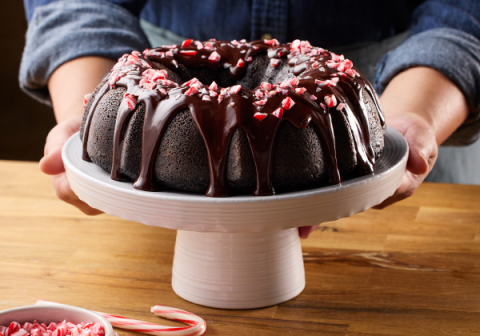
71	81
429	94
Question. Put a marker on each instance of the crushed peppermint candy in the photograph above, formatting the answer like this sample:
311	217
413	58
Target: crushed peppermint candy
340	106
235	89
86	98
294	81
131	101
240	63
331	100
261	102
272	42
213	86
259	94
154	75
191	91
214	57
274	62
300	90
63	328
351	72
266	86
288	103
278	112
188	52
186	43
260	116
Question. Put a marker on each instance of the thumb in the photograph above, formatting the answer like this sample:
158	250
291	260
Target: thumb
52	163
417	163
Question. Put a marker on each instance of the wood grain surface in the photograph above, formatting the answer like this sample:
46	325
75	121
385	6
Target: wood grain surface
410	269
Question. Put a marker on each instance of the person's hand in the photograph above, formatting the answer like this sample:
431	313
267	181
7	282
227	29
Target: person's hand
422	153
52	163
67	86
426	108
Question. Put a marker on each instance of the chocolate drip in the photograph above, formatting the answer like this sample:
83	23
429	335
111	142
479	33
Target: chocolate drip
218	112
123	116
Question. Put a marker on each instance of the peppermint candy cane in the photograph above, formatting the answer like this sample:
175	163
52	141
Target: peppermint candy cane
197	325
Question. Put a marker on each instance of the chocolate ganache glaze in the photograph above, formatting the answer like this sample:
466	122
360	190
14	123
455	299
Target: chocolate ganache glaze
319	83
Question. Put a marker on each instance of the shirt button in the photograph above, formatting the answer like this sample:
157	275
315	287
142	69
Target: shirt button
267	36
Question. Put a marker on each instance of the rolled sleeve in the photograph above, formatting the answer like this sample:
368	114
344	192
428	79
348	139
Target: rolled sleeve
452	52
64	30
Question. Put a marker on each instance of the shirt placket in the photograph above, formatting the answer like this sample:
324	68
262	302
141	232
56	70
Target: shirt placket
269	19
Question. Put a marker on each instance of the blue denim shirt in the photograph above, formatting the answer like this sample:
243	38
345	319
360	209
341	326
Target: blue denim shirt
444	34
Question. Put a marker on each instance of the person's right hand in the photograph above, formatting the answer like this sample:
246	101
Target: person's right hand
67	86
52	163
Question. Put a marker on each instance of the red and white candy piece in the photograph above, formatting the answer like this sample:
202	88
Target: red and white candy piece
260	116
288	103
131	101
213	86
350	72
191	82
266	86
300	90
154	75
197	325
340	106
272	42
86	98
214	57
274	62
186	43
331	100
278	112
327	83
240	63
188	52
261	102
191	91
294	81
235	89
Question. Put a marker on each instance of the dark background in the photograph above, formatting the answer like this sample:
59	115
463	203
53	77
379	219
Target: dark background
24	122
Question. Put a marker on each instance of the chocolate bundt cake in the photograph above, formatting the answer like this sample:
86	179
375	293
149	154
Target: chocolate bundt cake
230	118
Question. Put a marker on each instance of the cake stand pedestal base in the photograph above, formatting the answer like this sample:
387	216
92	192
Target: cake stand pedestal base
238	270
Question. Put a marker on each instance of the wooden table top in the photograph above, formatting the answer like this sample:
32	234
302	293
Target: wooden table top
411	269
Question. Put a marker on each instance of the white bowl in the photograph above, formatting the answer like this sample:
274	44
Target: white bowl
49	314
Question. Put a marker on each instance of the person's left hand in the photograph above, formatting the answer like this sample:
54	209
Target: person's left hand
422	153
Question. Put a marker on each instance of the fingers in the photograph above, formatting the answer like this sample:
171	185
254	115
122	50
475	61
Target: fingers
423	151
65	193
52	162
305	231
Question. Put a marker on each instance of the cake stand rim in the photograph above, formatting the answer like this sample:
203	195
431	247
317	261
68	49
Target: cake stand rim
231	200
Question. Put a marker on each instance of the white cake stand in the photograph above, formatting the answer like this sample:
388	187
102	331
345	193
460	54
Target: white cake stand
237	252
